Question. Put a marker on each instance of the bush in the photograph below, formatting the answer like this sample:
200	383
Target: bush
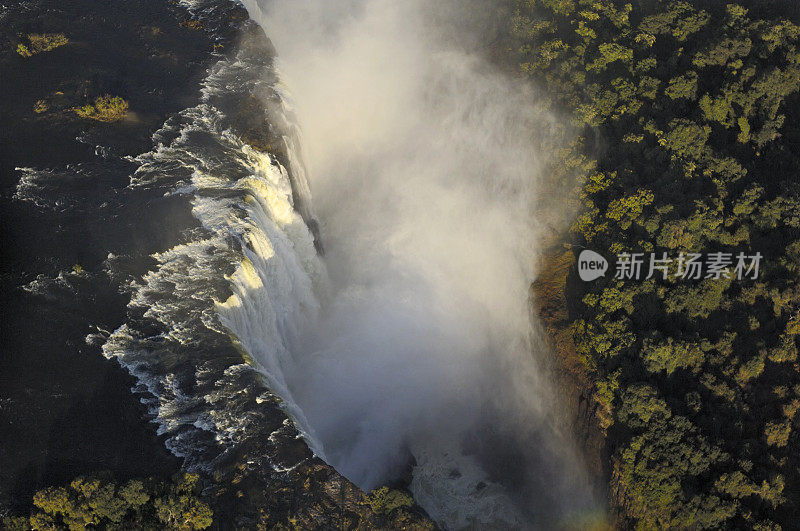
44	42
100	502
41	42
40	106
192	24
104	109
385	500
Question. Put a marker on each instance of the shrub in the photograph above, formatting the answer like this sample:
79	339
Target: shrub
40	106
41	42
385	500
180	508
104	109
192	24
98	502
44	42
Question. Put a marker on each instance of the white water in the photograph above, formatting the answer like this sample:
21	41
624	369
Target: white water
243	199
410	341
424	173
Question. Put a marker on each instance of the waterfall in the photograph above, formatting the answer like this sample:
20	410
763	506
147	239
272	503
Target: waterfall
249	274
424	162
407	349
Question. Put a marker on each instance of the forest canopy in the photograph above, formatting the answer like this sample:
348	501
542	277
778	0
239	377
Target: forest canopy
98	502
687	115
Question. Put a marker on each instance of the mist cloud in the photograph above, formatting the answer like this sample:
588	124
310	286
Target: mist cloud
424	171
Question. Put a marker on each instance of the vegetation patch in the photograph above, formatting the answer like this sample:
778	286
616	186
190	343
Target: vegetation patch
151	31
104	109
696	383
40	106
385	500
98	502
41	42
192	24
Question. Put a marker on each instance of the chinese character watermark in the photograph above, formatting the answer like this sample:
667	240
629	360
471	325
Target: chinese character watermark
684	266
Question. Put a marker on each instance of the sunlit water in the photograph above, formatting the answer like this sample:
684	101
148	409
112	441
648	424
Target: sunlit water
406	349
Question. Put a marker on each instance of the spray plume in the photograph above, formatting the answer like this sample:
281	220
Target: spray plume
423	163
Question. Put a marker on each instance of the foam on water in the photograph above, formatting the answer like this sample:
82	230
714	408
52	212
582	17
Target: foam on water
241	312
250	274
427	165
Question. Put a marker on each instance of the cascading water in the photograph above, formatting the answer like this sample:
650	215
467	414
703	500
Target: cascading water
407	348
250	270
425	168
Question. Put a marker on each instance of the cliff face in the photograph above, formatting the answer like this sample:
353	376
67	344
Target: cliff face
549	298
85	85
309	494
269	479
